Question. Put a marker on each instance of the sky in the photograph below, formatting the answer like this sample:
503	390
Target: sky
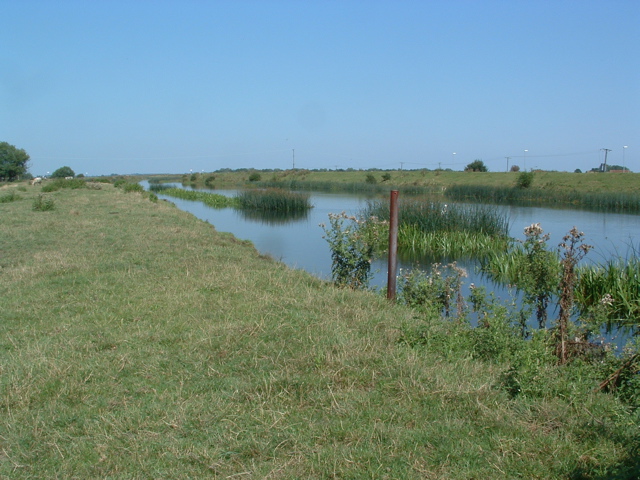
168	86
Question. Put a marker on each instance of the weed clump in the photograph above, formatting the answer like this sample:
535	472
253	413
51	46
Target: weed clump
43	203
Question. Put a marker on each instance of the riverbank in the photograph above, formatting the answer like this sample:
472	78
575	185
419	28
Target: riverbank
436	180
139	341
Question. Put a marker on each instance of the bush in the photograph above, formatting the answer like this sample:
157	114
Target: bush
371	179
43	203
255	177
132	187
525	180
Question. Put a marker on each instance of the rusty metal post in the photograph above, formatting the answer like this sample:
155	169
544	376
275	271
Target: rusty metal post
393	245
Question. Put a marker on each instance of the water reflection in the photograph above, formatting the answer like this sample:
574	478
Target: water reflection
273	218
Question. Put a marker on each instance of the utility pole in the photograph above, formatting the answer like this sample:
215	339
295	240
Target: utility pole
293	151
507	162
606	150
401	164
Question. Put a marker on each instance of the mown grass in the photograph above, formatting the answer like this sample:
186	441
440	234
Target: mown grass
136	341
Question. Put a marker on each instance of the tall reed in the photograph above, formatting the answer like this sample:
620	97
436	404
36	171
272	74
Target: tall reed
607	201
210	199
273	200
616	282
454	231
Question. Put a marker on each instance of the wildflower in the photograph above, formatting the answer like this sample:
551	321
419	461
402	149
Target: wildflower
607	300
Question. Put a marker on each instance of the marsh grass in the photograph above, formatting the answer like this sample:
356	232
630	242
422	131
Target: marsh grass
213	200
426	227
136	341
611	201
273	200
617	279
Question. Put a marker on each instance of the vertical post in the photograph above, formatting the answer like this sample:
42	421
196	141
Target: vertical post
393	245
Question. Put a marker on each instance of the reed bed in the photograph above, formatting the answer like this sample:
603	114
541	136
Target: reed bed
210	199
273	200
602	201
453	244
438	229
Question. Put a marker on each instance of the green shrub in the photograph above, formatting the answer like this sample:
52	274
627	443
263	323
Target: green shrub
524	180
43	203
371	179
132	187
255	177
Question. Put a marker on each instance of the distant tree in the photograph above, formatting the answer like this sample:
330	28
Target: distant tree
255	177
515	168
371	178
386	177
63	172
577	170
13	162
476	166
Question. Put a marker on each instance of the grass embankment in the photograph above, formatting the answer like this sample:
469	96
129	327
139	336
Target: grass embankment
136	341
437	180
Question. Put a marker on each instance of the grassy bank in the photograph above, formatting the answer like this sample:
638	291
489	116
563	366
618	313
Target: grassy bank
432	180
136	341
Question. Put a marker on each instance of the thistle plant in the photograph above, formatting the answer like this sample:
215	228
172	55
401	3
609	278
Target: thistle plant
573	250
539	272
353	242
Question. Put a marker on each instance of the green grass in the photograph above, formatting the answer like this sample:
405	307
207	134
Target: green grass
138	342
619	278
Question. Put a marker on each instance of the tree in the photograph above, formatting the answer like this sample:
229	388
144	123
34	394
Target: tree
515	168
63	172
13	162
476	166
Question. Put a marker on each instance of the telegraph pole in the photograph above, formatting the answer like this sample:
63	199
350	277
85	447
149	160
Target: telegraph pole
606	150
293	151
507	162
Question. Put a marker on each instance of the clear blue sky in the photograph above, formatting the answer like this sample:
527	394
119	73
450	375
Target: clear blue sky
142	86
